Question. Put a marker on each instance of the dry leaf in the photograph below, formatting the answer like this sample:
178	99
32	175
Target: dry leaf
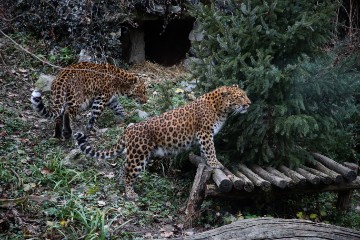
45	171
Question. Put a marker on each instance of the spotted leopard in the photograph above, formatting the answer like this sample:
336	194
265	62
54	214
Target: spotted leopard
83	84
175	130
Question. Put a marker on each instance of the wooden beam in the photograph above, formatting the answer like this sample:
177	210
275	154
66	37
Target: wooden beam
197	193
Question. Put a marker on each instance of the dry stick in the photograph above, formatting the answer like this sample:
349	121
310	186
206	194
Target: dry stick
258	181
290	183
337	167
324	178
277	181
309	176
295	176
336	177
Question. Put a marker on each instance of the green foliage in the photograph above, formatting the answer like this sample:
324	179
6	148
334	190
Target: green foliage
268	48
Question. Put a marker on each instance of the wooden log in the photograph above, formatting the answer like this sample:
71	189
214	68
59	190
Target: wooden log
197	193
324	178
248	185
195	159
309	176
344	197
352	166
336	177
220	179
277	181
290	183
212	190
295	176
344	171
276	228
237	182
344	200
257	181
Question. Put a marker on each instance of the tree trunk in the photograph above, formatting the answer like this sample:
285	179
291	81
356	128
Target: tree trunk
275	228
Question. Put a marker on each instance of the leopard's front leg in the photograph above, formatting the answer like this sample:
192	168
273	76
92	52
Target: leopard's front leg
207	149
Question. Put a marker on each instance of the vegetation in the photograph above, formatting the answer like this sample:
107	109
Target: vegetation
299	92
275	51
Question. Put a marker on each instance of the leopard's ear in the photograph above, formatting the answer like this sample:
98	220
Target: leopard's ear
235	85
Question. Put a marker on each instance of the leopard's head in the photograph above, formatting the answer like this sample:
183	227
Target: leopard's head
234	99
138	91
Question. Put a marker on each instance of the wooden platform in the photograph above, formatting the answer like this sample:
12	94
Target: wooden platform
245	182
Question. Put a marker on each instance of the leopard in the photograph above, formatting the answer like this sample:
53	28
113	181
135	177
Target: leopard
195	123
85	84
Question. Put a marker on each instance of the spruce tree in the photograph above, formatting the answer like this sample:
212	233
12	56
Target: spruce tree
268	47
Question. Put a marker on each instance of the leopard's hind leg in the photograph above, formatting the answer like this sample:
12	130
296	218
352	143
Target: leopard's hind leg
137	155
66	131
97	108
116	107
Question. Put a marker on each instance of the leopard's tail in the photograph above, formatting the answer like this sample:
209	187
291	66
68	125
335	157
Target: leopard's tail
38	105
117	150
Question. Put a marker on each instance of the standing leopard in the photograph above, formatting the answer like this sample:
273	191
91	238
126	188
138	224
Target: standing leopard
175	130
83	84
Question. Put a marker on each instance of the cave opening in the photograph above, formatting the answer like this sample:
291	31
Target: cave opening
167	46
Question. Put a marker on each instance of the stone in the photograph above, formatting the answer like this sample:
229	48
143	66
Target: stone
43	83
142	114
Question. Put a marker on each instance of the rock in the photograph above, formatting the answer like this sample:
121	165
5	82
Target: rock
43	83
142	114
188	86
175	9
85	56
74	154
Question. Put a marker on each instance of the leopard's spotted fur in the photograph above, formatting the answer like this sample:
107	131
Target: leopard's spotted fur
83	84
196	122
